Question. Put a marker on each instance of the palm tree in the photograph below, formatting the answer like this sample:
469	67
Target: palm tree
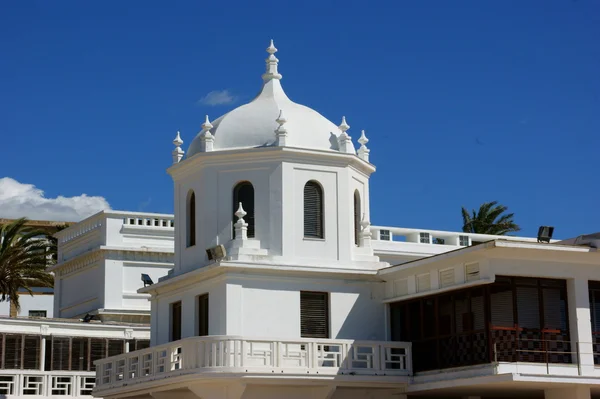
489	220
25	253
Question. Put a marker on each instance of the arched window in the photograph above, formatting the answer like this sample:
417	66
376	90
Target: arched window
244	192
356	218
313	210
191	218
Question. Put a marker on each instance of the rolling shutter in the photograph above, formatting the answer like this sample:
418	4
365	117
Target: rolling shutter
314	315
313	210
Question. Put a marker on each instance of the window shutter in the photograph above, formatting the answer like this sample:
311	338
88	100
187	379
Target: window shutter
60	353
423	282
356	218
446	278
471	272
501	306
314	315
313	210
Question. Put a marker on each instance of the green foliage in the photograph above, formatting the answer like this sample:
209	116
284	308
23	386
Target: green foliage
25	254
489	219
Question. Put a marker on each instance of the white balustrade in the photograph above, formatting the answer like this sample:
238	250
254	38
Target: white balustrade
17	383
238	355
436	237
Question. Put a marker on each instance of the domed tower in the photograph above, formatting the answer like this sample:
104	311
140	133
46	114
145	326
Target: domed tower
274	182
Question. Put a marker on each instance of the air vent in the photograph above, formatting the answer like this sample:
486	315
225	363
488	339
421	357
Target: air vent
446	277
472	271
401	287
423	282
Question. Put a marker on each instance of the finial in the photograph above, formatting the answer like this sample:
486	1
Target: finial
281	131
271	49
281	118
240	213
365	234
363	151
207	125
344	126
178	142
363	140
272	63
177	152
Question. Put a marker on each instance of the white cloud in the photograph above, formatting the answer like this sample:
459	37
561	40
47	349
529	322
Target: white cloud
218	97
26	200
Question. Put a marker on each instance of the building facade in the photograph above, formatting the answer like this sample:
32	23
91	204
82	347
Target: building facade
282	288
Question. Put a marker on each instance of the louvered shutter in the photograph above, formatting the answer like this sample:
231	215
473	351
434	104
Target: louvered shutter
60	353
313	210
97	351
501	307
356	218
12	351
31	352
446	278
314	315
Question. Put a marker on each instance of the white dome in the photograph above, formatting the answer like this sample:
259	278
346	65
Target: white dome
253	125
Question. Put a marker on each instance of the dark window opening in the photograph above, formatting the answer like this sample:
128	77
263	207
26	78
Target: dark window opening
513	319
191	219
244	192
313	210
314	314
176	321
203	315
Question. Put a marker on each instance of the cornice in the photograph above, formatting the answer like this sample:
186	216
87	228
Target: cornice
266	154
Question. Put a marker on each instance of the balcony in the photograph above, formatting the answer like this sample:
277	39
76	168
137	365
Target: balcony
18	383
309	358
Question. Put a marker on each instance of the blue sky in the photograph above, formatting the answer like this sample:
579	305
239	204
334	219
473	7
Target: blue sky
463	101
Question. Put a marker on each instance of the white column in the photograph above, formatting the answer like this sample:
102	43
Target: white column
576	392
580	325
43	353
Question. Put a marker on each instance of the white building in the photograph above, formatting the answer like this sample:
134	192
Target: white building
96	312
297	298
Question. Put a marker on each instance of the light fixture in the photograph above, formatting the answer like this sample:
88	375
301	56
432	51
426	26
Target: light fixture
545	233
146	280
217	252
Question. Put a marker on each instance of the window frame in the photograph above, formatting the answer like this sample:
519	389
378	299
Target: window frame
249	208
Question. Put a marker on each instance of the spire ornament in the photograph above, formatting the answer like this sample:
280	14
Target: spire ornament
177	152
281	132
206	138
363	151
365	234
344	140
241	227
272	63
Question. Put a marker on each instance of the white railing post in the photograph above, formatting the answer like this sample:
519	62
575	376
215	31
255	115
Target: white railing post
379	357
408	358
244	353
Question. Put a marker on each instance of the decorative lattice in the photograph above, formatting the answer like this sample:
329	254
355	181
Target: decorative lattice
86	385
61	385
7	384
33	385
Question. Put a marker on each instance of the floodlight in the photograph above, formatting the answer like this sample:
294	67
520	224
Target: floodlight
146	280
545	233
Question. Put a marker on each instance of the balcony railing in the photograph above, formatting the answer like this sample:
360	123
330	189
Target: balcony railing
249	355
17	383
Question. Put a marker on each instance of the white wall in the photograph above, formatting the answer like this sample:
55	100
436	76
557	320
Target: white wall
266	306
80	292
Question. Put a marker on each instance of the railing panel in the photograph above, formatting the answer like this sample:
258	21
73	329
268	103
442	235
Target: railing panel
223	353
